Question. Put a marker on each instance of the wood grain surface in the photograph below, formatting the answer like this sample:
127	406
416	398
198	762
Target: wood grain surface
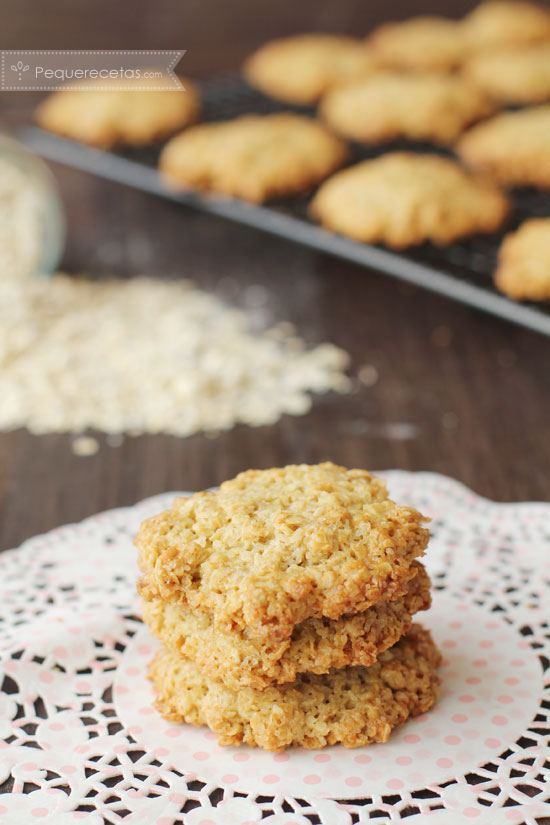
458	392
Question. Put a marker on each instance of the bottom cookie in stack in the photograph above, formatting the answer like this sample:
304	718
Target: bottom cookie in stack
353	706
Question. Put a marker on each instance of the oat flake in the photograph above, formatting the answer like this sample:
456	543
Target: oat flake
85	445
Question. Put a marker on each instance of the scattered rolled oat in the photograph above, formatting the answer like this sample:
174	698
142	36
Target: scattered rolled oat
85	445
147	356
368	375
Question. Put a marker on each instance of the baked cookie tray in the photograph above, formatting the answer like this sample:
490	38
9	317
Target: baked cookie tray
460	271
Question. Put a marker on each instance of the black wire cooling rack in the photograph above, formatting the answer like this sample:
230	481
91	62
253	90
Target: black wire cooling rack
461	271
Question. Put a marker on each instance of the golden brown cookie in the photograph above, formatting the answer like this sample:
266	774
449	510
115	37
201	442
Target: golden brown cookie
106	118
425	43
316	645
516	74
513	147
523	270
271	548
497	23
300	69
417	106
254	157
403	198
353	705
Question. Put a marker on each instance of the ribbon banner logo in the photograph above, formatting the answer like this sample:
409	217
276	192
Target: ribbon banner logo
33	71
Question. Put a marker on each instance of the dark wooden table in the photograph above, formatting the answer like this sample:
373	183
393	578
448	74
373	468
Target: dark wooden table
473	392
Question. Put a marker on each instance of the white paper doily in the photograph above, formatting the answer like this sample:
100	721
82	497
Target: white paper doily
80	743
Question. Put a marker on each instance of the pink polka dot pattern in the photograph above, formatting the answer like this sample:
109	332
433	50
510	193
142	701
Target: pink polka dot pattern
431	746
362	759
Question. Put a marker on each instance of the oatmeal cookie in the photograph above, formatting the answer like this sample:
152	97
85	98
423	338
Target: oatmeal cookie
271	548
517	74
513	147
417	106
300	69
106	118
429	43
316	645
353	705
402	199
523	270
497	23
254	157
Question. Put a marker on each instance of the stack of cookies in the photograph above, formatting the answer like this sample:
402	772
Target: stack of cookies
284	602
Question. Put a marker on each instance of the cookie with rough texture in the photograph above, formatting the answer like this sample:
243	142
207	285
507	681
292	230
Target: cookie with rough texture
254	157
316	645
353	705
417	106
402	199
271	548
300	69
506	22
429	43
517	74
513	147
523	270
106	118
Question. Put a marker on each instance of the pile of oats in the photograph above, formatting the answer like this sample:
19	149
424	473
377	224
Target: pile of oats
147	356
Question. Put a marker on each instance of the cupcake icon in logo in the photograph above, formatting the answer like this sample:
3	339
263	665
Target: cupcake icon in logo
20	68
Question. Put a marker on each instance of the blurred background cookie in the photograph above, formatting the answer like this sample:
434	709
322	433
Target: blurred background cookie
419	43
506	22
107	118
300	69
523	270
402	199
513	147
516	74
417	106
254	157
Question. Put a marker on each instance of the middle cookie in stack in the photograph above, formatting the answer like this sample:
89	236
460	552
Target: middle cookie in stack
280	592
237	659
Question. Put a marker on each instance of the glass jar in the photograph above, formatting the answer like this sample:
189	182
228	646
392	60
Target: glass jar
32	220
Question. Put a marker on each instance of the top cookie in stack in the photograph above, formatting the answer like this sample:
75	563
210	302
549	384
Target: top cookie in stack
272	548
278	575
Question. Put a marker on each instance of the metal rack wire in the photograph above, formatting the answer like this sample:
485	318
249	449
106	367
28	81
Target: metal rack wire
461	271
